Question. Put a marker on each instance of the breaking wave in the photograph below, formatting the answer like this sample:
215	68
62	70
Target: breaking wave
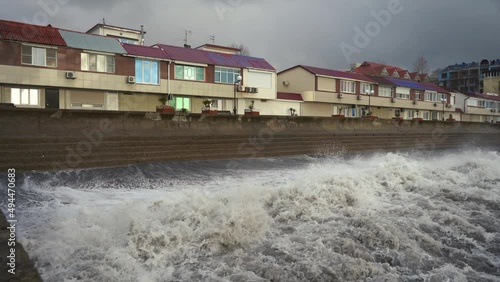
380	217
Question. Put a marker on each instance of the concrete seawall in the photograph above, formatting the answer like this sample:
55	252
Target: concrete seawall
34	139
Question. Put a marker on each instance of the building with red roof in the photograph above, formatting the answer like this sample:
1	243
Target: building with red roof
328	92
376	69
59	68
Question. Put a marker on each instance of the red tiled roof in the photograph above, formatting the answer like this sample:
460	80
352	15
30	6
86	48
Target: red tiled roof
17	31
377	65
414	75
290	96
335	73
144	51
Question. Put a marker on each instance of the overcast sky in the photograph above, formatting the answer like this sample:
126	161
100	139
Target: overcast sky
290	32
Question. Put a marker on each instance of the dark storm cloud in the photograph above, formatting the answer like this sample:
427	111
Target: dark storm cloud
290	32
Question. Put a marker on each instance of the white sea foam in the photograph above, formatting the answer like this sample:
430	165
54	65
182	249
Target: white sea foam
384	217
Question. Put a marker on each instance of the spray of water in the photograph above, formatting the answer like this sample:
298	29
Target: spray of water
382	217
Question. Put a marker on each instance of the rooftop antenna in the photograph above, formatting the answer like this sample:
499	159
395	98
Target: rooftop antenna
212	38
103	21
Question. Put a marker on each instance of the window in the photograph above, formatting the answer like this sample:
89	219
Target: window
481	103
385	91
182	103
365	87
403	95
418	95
434	97
147	71
98	62
444	75
348	86
217	104
39	56
26	97
426	116
128	41
190	73
411	114
223	75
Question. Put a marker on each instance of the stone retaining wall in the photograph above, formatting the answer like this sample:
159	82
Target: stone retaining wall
34	139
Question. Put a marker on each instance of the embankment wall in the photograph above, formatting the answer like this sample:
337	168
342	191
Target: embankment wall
40	139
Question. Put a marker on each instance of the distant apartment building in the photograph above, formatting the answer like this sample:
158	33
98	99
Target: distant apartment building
470	77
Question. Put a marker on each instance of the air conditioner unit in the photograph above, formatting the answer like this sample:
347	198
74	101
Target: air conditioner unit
341	95
131	79
248	89
241	88
393	100
70	75
360	98
255	90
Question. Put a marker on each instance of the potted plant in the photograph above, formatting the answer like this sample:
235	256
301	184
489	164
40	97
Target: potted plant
397	116
164	108
450	118
208	108
292	112
369	114
250	111
341	113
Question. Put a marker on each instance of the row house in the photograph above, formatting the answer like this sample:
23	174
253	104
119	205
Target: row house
327	92
46	67
478	107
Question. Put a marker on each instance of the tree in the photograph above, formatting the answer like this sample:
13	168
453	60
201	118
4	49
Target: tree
434	76
420	65
243	49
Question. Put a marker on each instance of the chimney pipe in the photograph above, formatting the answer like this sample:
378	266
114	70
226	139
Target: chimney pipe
141	39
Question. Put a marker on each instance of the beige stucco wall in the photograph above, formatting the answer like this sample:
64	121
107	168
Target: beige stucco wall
192	88
492	85
299	81
275	107
481	111
85	80
326	84
263	93
118	33
317	109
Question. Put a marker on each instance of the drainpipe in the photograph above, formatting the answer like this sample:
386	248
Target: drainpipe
168	80
465	107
